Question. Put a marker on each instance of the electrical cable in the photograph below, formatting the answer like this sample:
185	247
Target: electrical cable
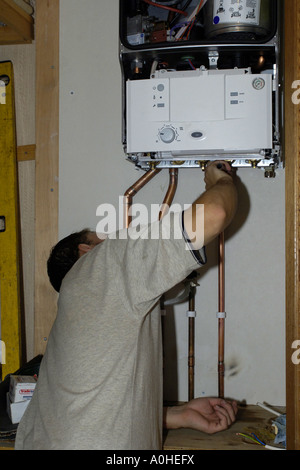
255	439
179	25
167	3
165	7
175	19
191	64
190	27
248	437
180	36
265	407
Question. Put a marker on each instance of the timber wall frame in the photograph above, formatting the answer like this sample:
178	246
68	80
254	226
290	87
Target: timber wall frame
292	163
47	161
18	25
47	158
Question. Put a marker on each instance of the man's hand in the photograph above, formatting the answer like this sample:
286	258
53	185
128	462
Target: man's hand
216	171
209	415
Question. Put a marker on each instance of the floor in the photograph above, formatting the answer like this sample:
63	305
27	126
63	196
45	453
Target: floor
250	419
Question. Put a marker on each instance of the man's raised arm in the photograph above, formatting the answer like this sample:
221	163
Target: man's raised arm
219	202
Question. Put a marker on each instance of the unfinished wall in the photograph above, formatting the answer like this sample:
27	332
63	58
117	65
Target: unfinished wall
93	170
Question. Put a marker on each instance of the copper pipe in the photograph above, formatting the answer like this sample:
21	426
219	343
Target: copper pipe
133	190
191	352
173	179
221	316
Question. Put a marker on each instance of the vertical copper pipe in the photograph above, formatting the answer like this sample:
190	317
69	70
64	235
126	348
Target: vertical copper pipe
173	178
191	353
133	190
221	319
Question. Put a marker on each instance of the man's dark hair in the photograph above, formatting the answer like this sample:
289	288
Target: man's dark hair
64	255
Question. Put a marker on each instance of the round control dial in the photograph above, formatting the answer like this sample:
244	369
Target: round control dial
258	83
167	134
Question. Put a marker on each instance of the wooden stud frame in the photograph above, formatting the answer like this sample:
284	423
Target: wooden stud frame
18	25
292	162
47	150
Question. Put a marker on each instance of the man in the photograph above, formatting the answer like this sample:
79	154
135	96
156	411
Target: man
100	381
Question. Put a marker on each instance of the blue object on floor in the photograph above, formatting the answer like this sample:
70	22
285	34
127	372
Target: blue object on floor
280	423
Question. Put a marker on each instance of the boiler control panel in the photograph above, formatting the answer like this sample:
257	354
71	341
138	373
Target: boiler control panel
203	114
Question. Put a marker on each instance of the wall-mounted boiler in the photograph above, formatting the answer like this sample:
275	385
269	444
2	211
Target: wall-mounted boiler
201	82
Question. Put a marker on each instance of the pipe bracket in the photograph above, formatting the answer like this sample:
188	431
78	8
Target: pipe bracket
191	313
221	314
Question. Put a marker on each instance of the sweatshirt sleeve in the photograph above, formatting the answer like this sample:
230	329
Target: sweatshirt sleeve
153	259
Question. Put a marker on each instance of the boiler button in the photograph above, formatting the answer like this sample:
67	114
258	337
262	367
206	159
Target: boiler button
167	135
160	87
197	135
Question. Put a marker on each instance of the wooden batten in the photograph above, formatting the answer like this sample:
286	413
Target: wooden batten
292	163
47	148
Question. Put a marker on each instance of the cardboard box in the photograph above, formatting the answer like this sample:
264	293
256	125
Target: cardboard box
21	388
16	410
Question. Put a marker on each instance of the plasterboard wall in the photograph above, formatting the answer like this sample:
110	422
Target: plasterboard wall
93	171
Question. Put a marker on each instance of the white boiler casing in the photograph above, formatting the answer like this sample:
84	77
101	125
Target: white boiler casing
200	113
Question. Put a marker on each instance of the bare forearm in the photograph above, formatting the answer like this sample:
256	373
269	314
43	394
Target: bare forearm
204	414
175	417
219	203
